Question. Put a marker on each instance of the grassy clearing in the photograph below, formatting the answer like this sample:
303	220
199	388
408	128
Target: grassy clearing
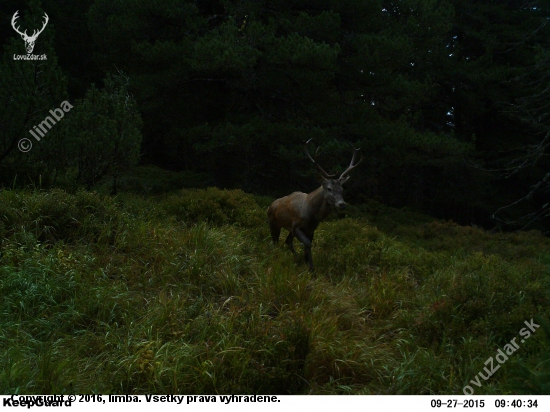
184	293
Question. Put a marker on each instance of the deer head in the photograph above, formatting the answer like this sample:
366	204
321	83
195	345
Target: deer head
29	40
332	188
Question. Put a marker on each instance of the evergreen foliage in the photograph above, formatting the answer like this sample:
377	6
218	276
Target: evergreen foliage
102	135
29	89
437	93
180	291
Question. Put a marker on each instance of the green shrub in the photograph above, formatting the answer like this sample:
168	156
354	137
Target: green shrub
57	215
215	206
152	180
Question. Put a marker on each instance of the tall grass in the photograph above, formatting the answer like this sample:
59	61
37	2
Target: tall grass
186	294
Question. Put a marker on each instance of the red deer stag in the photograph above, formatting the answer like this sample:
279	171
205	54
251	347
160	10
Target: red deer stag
301	213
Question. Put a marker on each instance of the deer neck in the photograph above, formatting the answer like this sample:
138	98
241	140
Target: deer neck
318	207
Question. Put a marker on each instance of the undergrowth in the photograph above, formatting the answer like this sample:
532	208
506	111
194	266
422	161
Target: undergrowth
184	293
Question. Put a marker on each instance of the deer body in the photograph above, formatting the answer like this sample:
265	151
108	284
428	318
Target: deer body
301	213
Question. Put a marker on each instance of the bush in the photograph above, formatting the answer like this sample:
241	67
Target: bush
215	206
152	180
56	215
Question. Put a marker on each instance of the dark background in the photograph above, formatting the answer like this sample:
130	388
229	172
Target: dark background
448	99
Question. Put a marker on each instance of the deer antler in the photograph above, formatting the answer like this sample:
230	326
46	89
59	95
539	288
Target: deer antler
37	32
351	166
323	173
15	16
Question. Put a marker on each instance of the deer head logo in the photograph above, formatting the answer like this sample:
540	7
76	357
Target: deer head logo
29	40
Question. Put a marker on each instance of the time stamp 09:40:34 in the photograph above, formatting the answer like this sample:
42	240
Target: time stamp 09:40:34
480	403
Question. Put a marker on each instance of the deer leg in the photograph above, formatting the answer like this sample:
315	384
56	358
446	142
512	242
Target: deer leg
307	246
275	232
307	252
290	243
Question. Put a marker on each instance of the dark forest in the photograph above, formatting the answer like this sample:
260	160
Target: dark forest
447	99
138	159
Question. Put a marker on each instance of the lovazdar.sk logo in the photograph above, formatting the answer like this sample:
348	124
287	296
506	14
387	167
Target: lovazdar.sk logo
29	40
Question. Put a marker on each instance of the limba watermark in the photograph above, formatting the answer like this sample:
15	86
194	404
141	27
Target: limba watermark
501	357
43	127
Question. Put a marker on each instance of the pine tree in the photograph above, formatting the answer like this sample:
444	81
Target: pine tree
101	137
30	89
